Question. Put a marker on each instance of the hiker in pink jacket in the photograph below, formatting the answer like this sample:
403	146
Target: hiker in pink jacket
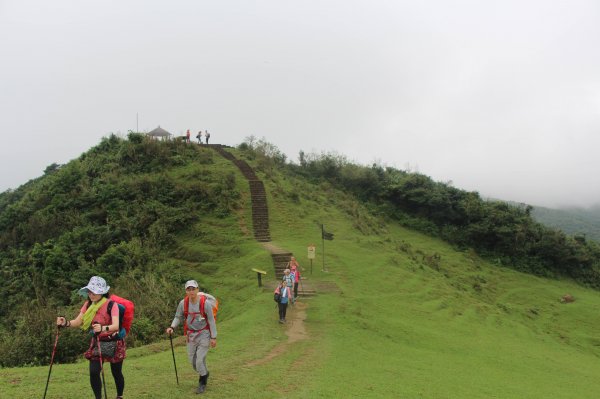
295	270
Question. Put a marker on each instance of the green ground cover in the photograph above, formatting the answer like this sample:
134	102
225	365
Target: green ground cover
408	317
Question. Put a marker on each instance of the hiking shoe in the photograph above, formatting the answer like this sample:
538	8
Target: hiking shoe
280	321
201	388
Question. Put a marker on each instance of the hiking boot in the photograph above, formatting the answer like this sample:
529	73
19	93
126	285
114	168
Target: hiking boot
203	382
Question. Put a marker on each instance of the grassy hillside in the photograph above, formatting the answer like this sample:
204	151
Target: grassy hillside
399	314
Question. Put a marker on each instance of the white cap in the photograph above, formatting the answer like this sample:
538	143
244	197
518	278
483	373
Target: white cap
191	283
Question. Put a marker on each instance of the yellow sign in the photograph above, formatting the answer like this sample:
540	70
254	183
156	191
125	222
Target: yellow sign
312	250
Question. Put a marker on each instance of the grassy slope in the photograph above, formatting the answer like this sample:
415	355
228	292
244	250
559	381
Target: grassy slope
400	326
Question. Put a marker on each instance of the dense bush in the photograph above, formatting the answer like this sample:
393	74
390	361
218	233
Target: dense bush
116	212
503	232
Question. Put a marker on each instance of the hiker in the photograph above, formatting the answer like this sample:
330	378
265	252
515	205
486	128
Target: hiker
200	328
199	137
284	296
295	271
207	135
187	136
94	317
288	278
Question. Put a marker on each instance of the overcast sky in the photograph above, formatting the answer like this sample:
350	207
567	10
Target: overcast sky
499	97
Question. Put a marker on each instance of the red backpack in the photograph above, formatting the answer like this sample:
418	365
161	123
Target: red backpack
126	311
203	298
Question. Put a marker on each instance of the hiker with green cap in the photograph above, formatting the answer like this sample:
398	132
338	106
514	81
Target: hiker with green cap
197	313
95	318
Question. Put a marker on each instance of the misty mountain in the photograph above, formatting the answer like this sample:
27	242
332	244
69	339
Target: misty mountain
573	221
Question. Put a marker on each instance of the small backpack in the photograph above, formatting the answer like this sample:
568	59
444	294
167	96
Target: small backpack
203	298
277	295
126	311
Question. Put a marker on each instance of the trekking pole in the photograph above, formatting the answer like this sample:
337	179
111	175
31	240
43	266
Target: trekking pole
173	352
101	364
52	359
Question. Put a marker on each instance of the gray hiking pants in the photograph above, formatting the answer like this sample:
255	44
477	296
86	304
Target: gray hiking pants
197	349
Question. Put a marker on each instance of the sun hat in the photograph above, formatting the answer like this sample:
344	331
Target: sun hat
97	285
191	283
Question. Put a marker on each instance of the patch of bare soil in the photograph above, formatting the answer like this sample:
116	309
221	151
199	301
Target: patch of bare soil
294	329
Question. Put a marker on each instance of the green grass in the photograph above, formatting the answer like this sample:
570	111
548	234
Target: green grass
400	324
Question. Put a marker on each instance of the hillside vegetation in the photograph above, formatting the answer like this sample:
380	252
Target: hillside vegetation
404	314
507	235
574	221
116	211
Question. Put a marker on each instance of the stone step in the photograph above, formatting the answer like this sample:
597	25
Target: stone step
280	258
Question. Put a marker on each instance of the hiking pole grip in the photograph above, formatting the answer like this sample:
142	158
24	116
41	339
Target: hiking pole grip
52	360
173	352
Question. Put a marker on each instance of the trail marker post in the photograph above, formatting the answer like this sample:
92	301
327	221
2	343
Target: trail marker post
259	274
312	250
325	236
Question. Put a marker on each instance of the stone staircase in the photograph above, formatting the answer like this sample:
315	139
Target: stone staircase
280	262
258	195
260	220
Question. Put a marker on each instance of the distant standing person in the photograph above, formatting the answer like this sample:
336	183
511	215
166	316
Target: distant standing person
199	326
95	318
187	136
199	137
295	270
284	297
207	135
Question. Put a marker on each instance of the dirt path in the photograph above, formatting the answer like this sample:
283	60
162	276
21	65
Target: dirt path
272	248
294	329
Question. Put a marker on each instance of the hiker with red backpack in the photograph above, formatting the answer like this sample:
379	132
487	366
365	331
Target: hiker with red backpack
197	312
101	316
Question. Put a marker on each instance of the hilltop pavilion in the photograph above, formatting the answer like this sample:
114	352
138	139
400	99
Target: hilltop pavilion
159	134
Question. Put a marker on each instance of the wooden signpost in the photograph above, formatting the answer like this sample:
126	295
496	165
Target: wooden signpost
259	274
312	250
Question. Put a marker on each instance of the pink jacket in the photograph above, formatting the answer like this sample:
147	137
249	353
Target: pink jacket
294	269
278	290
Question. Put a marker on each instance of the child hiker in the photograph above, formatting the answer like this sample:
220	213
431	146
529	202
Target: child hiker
199	326
288	278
